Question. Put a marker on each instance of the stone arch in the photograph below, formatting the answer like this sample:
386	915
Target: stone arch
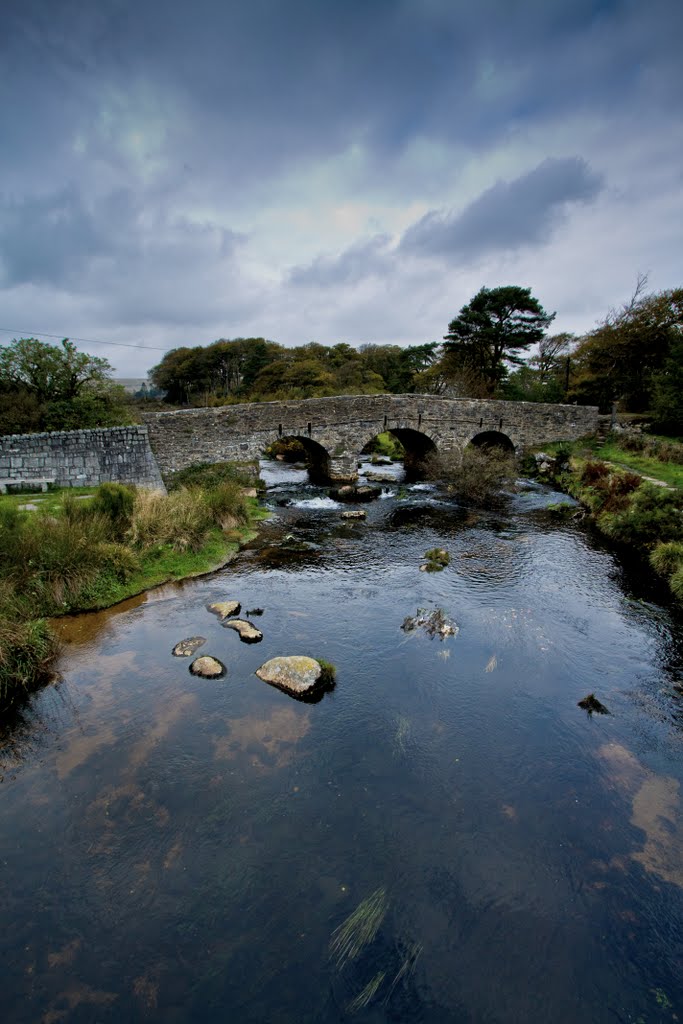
492	439
317	456
417	446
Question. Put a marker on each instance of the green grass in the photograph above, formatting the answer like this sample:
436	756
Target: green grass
669	472
72	556
51	502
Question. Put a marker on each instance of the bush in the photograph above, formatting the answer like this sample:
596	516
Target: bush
27	650
594	471
208	475
653	514
474	474
676	584
667	557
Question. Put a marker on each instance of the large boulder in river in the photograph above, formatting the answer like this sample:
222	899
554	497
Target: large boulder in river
247	630
224	609
299	676
207	667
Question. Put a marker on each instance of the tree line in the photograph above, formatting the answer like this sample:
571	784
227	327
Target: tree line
498	346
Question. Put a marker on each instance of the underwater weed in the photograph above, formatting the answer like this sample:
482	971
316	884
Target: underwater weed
367	994
359	928
406	969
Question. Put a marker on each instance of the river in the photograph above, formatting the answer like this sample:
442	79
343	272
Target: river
179	849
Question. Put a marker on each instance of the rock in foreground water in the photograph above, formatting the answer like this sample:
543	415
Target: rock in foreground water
224	609
356	513
247	630
207	667
185	648
297	675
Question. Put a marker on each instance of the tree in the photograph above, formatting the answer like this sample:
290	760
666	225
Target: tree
622	358
490	331
56	387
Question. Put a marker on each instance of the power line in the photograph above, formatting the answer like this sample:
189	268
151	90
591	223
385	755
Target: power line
84	341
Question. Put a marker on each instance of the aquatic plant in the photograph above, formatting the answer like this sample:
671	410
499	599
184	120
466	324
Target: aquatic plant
367	994
437	559
407	968
592	705
359	928
328	672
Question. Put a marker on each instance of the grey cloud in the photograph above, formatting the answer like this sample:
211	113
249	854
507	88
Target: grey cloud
359	261
507	215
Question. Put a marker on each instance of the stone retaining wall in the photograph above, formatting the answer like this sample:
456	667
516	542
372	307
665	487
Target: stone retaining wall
81	458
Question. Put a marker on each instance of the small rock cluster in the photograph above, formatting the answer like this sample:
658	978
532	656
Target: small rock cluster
301	677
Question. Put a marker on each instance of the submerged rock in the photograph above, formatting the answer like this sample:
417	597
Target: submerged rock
297	675
185	648
207	667
349	492
356	513
224	609
434	623
247	630
591	704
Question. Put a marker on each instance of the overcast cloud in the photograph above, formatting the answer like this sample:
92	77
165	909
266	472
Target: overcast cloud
331	171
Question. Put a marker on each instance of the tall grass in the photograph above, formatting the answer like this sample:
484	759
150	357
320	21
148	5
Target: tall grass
80	557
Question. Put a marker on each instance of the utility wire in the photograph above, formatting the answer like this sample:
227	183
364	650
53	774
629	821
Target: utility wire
85	341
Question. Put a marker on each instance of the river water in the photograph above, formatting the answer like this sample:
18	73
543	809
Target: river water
183	850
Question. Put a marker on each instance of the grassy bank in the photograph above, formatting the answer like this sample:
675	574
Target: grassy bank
74	555
657	457
631	511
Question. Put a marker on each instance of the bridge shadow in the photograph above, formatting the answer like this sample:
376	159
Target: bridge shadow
417	447
492	439
315	456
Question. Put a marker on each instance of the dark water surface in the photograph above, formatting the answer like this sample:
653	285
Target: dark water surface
177	849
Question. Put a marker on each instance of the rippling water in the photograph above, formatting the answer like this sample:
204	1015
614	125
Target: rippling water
179	849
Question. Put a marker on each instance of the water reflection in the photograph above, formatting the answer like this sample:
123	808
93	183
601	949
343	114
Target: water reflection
179	849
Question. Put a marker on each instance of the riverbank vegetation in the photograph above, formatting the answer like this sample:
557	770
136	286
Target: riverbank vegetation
641	515
88	554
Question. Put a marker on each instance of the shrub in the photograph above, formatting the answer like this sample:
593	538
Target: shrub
653	514
667	557
475	474
594	471
27	650
208	475
676	584
118	560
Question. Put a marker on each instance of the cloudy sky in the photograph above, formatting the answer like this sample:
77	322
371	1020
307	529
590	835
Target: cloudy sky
330	170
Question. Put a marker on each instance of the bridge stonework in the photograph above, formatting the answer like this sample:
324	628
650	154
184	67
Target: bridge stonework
337	429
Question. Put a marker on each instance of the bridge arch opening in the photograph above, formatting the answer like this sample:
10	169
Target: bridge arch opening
492	439
413	448
300	448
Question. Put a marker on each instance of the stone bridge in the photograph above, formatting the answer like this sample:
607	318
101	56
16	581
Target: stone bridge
334	431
